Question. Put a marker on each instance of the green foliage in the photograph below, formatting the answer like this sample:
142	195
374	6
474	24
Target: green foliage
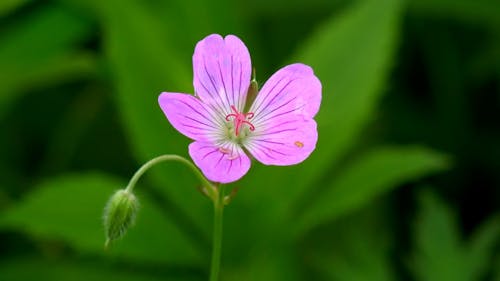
95	70
358	250
440	253
351	54
70	208
143	62
35	269
497	273
53	59
372	174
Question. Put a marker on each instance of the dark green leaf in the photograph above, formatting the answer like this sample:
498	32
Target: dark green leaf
371	175
497	272
357	248
440	252
481	247
198	19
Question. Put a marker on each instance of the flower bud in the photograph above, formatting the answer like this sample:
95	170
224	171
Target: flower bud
253	90
119	214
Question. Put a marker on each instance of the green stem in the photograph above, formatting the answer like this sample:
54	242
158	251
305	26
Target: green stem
217	238
216	194
210	188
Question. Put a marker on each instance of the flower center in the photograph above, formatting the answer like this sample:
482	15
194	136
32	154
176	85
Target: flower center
240	118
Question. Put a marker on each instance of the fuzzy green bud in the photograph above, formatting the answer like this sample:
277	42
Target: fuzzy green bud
119	214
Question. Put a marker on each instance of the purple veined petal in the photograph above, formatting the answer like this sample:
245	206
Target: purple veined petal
224	164
284	142
293	90
190	116
222	70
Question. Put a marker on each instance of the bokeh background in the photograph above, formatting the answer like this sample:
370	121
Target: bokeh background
404	183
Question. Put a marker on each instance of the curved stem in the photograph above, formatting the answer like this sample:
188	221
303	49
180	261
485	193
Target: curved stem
211	190
216	194
217	238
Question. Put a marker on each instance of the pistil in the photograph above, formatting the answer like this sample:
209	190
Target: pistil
240	118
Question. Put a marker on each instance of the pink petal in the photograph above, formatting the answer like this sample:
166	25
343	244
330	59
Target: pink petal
190	117
293	91
284	142
222	70
220	164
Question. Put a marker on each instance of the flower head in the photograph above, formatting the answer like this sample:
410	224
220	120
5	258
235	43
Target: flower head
277	129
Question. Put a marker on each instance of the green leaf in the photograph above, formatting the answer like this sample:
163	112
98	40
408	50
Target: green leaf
355	248
144	62
198	19
21	269
440	253
369	176
438	242
497	272
280	7
351	54
52	58
481	247
70	208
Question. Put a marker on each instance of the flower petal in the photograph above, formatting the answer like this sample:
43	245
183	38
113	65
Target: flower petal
223	164
285	142
190	117
222	70
293	91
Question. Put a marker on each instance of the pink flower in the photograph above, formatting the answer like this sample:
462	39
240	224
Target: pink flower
277	129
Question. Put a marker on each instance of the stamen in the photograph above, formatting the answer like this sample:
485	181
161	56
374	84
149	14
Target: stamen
240	119
229	153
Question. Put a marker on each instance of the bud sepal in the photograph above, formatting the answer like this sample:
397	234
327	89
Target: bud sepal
119	214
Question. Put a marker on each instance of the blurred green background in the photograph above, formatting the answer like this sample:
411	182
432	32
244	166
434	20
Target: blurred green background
404	183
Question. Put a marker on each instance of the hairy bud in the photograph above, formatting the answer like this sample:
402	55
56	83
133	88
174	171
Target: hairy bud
119	214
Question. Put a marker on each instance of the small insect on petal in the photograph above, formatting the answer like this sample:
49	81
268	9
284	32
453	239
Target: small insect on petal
299	144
